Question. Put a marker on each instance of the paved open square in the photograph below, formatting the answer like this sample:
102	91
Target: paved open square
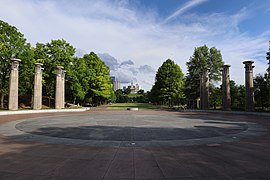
150	144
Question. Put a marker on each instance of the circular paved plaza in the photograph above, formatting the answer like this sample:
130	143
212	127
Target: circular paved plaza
102	144
131	129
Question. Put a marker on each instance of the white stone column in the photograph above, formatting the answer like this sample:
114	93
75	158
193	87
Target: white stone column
59	88
226	94
13	85
249	85
37	99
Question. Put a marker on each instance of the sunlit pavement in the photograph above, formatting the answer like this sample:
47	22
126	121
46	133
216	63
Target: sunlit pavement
134	145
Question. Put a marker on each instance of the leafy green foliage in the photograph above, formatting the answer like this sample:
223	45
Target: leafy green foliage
237	96
77	80
215	96
53	54
169	85
100	87
202	59
261	94
140	97
12	45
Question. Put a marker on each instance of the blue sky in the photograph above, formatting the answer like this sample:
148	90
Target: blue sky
136	36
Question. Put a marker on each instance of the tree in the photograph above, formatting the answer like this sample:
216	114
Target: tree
12	45
27	72
77	80
215	96
237	95
169	84
100	87
261	91
53	54
202	59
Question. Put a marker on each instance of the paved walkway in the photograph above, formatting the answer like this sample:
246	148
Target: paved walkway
134	145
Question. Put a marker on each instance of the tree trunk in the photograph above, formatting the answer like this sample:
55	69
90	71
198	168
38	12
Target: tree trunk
74	100
2	100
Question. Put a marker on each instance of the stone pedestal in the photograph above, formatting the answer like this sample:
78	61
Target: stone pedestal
59	88
226	95
249	85
13	85
37	97
204	90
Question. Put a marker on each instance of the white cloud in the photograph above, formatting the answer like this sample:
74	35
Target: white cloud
116	28
183	9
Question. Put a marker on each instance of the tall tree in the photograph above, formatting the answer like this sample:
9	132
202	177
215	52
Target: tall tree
77	80
169	84
12	45
56	53
100	87
202	59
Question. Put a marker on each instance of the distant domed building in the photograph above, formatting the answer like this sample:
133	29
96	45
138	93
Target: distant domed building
134	88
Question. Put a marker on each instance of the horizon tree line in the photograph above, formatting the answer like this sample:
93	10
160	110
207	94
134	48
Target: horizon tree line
88	79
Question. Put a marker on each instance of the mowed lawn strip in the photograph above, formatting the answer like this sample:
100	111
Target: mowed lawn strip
124	106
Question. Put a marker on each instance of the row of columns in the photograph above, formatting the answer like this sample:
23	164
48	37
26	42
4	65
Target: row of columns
37	96
226	96
60	87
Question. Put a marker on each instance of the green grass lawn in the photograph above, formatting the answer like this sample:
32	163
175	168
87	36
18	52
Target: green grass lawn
124	106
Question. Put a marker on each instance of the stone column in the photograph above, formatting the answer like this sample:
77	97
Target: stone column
37	99
226	94
63	89
204	90
59	88
13	85
249	85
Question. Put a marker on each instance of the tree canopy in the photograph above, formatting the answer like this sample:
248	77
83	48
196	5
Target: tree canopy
12	45
202	59
53	54
169	84
100	87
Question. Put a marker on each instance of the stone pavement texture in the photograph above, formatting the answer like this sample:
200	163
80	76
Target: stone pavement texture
134	145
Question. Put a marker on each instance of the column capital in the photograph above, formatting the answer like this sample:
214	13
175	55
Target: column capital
226	66
59	71
15	59
248	62
59	67
38	64
38	67
15	64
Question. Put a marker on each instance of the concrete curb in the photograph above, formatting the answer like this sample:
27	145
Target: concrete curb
230	112
42	111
